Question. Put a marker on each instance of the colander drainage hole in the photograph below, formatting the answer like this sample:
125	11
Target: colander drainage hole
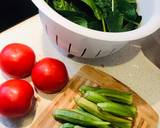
99	52
70	55
113	50
57	39
69	48
46	28
84	51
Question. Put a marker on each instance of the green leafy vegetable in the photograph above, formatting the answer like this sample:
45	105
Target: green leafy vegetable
128	9
63	5
115	22
75	17
102	15
97	12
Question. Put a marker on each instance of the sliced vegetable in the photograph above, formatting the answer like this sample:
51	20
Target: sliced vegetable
112	94
118	109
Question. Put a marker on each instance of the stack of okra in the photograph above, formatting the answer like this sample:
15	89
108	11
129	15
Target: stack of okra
99	108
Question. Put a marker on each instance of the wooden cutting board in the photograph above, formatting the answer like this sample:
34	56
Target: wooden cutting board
146	116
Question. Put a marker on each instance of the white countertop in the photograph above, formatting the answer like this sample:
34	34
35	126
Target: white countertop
129	65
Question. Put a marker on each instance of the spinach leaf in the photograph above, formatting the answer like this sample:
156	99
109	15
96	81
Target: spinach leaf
97	12
79	20
75	17
64	5
128	9
95	24
131	1
103	15
128	27
82	19
105	6
115	21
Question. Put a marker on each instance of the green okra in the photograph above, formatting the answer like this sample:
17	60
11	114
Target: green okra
93	109
80	109
95	97
69	125
112	94
88	115
118	109
72	116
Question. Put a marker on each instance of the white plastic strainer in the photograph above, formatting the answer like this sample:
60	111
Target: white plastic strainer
87	43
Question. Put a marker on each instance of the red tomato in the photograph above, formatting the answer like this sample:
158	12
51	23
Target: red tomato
16	98
49	75
17	60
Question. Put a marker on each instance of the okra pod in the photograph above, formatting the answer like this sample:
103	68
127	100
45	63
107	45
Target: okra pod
80	109
88	115
118	109
69	125
79	119
112	94
93	109
95	97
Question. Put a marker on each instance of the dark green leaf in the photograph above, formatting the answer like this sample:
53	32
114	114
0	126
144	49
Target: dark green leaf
138	19
105	6
118	15
115	21
97	12
76	17
64	5
82	19
129	26
131	1
95	24
79	20
128	9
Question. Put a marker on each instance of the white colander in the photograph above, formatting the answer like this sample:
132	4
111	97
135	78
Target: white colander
82	42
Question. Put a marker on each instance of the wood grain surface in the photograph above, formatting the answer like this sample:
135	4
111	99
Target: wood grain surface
146	116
